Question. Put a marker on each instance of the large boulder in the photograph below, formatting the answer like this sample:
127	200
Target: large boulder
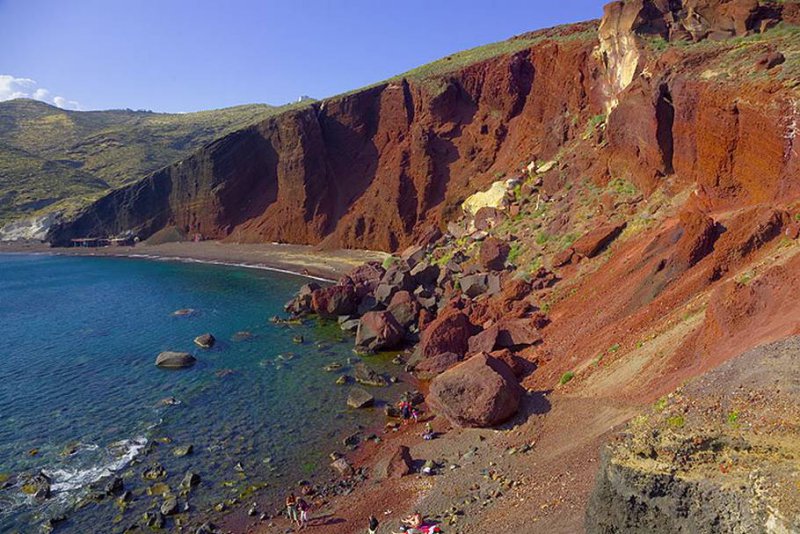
333	301
405	308
435	365
480	392
175	360
398	276
448	333
475	285
494	197
368	274
413	255
302	302
396	465
425	274
507	333
493	254
379	330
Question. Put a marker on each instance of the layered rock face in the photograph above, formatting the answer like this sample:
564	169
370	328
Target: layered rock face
372	169
380	167
717	456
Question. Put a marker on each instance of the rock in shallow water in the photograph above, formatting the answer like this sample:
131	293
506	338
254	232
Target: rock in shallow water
175	360
205	341
359	398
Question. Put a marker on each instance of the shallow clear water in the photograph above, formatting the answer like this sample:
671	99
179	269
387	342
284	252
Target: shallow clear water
80	394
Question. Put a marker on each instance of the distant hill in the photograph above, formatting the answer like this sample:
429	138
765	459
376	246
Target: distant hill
52	158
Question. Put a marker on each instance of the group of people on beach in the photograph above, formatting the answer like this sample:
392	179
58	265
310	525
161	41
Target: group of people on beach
297	510
413	524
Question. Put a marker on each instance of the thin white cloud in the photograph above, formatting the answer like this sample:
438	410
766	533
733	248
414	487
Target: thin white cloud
12	87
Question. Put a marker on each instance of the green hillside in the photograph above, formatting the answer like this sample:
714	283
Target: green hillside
53	158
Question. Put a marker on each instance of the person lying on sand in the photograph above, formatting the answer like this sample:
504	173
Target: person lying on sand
414	520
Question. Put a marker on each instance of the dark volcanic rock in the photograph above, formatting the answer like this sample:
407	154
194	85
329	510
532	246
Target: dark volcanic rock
379	330
434	365
474	285
205	341
174	360
449	333
301	304
405	308
359	398
479	392
331	302
368	377
493	254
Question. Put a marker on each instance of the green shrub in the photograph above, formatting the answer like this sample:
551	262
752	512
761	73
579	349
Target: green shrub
676	421
514	252
566	377
389	261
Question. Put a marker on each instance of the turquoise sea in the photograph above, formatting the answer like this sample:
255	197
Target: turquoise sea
80	396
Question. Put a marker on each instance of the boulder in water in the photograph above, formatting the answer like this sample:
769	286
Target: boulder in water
359	398
205	341
368	377
190	480
38	486
175	360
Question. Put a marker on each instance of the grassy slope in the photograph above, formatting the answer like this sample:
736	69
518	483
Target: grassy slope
50	156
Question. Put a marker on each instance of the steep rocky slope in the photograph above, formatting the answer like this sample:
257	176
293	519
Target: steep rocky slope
375	168
56	159
719	455
636	226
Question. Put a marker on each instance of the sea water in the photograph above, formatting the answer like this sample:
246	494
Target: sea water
81	398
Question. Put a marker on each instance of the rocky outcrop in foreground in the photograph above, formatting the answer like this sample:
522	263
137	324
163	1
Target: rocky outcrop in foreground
720	455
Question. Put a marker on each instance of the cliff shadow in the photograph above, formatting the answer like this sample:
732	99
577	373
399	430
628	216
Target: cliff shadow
250	175
531	404
352	162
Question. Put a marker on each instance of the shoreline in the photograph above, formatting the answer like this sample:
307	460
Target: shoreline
298	260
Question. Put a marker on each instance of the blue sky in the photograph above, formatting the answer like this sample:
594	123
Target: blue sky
181	55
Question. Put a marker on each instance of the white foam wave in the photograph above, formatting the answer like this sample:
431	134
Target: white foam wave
123	452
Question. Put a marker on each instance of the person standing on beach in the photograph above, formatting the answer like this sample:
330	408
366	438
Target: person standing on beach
373	525
303	507
291	509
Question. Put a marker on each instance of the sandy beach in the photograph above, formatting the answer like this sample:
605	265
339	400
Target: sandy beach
298	259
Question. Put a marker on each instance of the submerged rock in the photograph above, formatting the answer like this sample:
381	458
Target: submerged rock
205	341
182	450
38	486
190	480
368	377
175	360
170	505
